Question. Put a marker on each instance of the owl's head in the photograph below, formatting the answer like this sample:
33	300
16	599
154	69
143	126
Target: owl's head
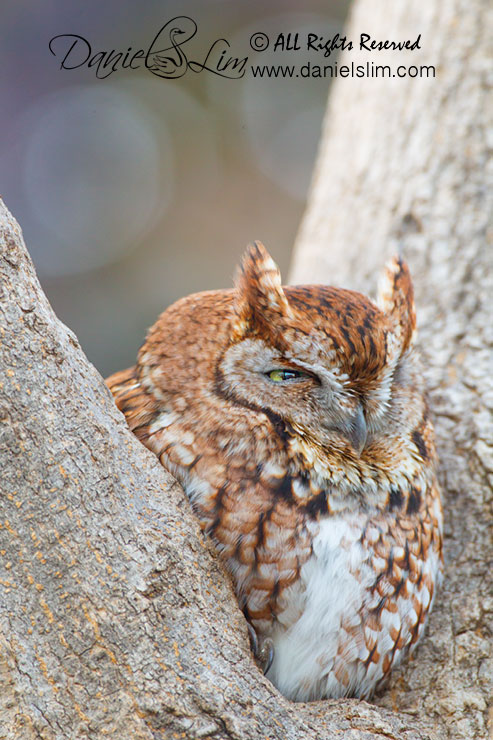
324	361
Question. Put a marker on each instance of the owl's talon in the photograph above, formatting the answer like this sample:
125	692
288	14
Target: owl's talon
253	639
264	652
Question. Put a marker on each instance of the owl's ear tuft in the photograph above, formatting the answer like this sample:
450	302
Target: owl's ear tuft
396	299
260	298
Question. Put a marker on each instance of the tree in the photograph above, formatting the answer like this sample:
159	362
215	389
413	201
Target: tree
116	618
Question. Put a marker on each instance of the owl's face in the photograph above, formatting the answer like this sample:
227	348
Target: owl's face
311	393
324	360
326	364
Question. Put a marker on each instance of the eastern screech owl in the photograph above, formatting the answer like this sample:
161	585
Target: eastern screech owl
295	418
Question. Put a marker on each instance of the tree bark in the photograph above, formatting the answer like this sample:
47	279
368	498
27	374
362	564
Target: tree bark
116	618
405	165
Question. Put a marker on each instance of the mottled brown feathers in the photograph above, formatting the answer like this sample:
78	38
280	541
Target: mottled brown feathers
296	419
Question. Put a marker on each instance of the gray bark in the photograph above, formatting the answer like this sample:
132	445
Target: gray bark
116	618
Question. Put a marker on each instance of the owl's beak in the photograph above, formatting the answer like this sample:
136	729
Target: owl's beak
358	430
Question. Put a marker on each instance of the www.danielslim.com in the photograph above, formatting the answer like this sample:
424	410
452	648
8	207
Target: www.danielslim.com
369	69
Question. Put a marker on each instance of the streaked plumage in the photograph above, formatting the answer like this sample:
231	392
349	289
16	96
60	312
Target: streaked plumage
296	420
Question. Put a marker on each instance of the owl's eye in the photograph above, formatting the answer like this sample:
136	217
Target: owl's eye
280	375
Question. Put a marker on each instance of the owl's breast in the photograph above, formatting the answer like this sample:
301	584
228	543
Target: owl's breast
343	592
359	606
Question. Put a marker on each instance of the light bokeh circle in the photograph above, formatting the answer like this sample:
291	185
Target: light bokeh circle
98	173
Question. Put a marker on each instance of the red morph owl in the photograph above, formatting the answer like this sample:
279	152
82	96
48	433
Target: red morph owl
296	420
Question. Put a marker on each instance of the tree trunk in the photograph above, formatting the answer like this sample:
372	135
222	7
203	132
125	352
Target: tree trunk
116	618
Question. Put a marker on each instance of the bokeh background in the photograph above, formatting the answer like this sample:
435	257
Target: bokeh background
134	190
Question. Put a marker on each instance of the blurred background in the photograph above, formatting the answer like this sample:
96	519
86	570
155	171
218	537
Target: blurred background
133	190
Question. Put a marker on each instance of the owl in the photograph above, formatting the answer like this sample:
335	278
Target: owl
295	419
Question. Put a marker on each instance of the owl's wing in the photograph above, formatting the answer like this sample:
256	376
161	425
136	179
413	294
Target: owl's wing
138	406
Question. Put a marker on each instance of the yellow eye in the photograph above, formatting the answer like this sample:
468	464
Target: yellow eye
278	376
